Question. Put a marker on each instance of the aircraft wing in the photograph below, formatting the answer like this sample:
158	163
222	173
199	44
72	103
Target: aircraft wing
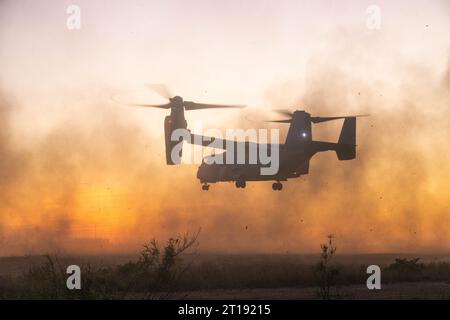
218	143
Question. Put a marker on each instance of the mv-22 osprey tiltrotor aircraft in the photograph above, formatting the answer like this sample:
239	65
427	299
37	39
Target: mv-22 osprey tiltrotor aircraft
294	154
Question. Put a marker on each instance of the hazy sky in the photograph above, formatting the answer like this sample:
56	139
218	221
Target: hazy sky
77	163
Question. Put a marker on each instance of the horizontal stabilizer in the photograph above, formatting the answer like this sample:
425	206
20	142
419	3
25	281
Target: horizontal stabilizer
346	147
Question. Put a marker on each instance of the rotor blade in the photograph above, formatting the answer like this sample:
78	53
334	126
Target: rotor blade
189	105
323	119
161	89
284	112
161	106
279	121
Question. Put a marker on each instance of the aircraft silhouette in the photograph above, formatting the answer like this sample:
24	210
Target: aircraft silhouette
294	154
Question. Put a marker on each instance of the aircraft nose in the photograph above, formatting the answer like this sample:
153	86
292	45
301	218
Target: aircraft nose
201	172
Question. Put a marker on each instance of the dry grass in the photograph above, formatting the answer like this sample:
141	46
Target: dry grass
168	272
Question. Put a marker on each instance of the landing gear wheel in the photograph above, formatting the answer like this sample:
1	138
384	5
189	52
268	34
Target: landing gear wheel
240	184
277	186
205	187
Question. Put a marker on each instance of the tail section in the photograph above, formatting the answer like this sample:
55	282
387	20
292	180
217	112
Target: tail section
346	146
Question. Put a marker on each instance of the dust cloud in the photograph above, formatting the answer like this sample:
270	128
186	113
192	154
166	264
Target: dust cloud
97	181
108	186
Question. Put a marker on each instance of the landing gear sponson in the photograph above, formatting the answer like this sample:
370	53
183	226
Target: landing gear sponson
276	186
240	183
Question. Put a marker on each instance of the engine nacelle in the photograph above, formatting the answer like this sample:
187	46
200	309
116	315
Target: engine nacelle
169	127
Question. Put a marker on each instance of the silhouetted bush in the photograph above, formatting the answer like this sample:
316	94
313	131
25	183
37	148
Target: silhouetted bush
326	271
155	275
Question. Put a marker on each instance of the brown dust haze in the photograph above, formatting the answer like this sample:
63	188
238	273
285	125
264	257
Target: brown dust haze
109	181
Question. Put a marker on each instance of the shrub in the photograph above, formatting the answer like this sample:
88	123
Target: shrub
326	272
